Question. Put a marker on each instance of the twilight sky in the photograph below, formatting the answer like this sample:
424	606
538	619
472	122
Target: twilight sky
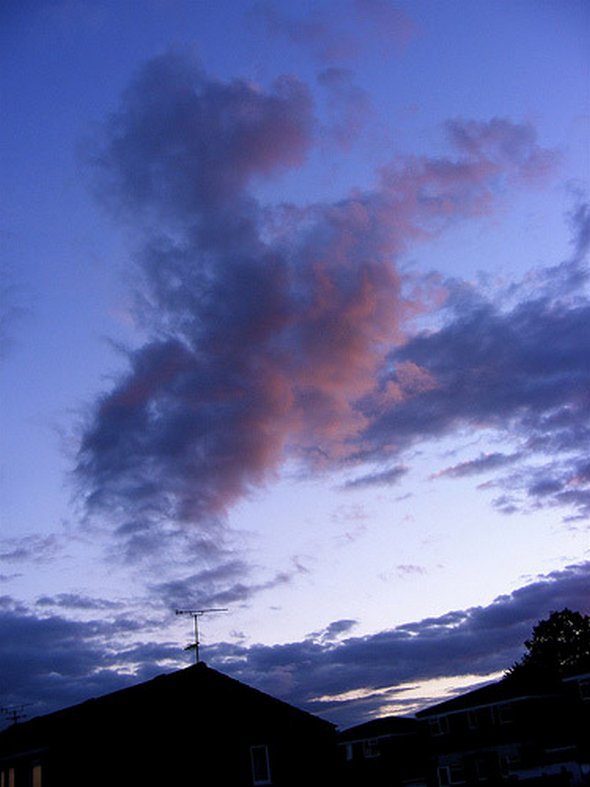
294	321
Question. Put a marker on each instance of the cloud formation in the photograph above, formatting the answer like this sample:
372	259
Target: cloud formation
266	326
352	678
328	35
521	371
53	661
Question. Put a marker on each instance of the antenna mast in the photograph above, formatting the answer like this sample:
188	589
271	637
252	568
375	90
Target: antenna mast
15	712
196	614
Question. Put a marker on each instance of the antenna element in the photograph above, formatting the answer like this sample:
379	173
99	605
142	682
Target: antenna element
15	712
196	614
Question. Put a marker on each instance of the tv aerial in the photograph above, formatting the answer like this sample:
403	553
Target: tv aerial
196	614
15	713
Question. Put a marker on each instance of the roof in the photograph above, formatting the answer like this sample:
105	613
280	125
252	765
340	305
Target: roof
492	694
386	726
197	693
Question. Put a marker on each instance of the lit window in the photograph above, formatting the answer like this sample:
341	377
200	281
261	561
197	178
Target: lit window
36	776
260	765
11	777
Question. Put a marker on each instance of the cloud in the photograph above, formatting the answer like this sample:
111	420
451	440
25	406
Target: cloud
348	680
77	601
334	630
383	478
410	569
12	306
266	326
324	34
52	661
223	584
482	464
522	372
316	33
502	141
30	549
349	107
388	22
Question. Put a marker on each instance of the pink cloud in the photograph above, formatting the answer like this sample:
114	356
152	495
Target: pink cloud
269	328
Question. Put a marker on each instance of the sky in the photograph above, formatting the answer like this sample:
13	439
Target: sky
294	323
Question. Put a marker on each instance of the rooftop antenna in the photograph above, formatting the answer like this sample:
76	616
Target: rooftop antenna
15	713
196	614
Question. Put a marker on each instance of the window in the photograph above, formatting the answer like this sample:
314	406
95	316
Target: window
472	720
439	725
505	714
260	765
510	759
371	748
482	770
451	774
36	780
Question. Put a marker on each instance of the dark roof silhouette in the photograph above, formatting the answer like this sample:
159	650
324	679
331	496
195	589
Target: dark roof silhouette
153	733
212	694
375	728
502	691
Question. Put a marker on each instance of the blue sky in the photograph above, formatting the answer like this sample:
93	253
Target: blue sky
294	308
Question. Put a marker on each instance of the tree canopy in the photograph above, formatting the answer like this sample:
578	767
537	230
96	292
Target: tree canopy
559	647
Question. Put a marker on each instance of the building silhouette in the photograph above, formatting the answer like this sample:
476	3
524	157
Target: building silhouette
195	726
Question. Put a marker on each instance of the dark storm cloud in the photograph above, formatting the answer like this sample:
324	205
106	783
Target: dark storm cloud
266	326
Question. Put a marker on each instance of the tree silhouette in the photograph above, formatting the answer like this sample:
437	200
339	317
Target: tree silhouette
559	646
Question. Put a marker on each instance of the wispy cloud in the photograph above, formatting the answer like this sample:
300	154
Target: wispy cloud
521	372
31	549
339	34
380	478
481	464
225	583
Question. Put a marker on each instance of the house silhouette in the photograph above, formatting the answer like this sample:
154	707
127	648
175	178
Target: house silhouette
193	726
